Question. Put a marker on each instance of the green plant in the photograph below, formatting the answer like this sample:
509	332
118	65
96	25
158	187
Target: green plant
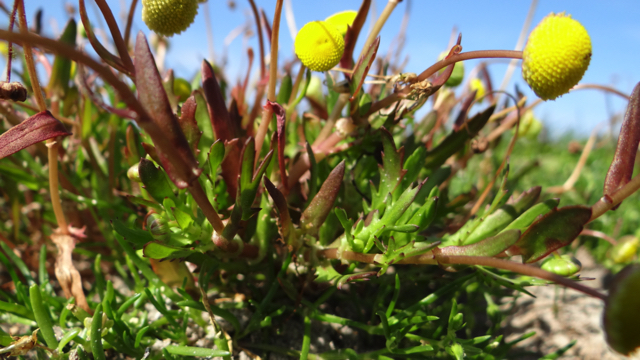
301	217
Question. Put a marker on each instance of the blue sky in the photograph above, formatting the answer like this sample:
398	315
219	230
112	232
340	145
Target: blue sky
613	26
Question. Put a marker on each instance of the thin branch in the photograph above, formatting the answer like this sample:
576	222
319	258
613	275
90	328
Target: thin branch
480	54
127	29
267	112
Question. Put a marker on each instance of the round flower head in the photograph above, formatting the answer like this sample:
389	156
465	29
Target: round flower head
319	45
342	20
556	56
169	17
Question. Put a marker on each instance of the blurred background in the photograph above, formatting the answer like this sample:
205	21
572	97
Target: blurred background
613	26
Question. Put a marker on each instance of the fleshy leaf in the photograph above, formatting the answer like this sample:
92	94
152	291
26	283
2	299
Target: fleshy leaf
154	181
189	124
362	68
135	236
216	155
171	144
280	131
286	225
353	31
488	247
455	141
218	113
61	69
156	250
39	127
621	168
551	232
315	214
498	220
621	316
391	171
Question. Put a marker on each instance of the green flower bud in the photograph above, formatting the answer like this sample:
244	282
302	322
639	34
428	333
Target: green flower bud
625	250
133	174
158	226
565	265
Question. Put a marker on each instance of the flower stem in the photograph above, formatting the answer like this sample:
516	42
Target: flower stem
386	12
267	113
480	54
28	56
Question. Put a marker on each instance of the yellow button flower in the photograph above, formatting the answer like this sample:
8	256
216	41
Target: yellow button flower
556	56
342	20
169	17
319	45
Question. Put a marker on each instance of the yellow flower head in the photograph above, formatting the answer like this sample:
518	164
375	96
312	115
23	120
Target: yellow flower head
556	56
342	20
169	17
319	45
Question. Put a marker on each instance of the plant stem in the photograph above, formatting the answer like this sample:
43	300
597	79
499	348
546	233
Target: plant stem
254	10
127	29
519	45
432	259
52	146
121	46
28	56
480	54
343	99
205	205
267	113
386	12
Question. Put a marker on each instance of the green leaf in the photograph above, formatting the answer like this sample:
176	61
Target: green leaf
61	68
494	223
315	214
551	232
361	69
154	181
156	250
456	140
528	217
216	155
391	171
487	247
135	236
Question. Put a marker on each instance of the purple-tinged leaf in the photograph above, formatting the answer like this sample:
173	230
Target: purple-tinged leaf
362	68
39	127
280	128
286	225
455	141
353	32
464	110
551	232
316	213
218	113
621	168
443	76
223	128
189	124
621	316
173	148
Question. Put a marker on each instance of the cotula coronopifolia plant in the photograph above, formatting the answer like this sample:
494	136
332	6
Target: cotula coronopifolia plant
331	195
